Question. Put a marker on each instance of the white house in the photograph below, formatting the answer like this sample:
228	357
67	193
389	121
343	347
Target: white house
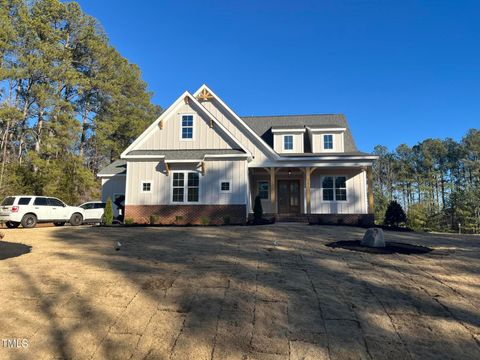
200	161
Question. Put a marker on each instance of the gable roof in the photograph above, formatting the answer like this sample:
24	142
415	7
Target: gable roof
262	125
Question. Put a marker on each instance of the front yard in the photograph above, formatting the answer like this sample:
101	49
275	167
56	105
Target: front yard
264	292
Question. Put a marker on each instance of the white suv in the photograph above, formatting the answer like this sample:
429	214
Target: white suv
30	210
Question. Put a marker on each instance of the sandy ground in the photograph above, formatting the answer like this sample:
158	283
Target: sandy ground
233	293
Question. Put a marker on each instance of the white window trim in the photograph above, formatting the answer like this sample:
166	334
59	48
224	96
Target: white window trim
229	186
333	143
181	126
257	192
293	143
146	182
185	187
334	188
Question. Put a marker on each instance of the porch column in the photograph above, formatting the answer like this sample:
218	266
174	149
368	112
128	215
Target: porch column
273	189
371	209
308	172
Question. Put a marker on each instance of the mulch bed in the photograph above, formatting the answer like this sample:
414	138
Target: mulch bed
10	250
390	248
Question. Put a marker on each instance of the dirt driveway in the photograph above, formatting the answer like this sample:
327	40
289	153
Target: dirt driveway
267	292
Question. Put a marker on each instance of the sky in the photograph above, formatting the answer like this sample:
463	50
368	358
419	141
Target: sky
401	71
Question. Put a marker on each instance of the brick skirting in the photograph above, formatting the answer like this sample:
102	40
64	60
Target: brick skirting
342	219
186	214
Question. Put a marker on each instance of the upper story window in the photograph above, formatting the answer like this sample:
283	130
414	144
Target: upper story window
288	142
187	127
328	142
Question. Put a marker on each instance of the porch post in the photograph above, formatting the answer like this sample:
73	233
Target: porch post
308	172
273	189
371	209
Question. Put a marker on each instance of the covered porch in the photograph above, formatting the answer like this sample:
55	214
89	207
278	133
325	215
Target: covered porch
309	191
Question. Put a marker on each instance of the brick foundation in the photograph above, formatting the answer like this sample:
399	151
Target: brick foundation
186	214
342	219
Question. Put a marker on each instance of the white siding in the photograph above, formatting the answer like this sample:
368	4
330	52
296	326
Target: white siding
316	139
356	196
236	129
154	171
297	142
204	137
110	187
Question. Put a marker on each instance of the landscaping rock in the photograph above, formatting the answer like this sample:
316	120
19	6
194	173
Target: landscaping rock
373	238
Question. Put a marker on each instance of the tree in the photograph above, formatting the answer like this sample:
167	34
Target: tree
394	216
257	209
108	212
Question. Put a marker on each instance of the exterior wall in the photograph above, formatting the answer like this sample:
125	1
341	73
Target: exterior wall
204	137
316	140
111	186
209	193
298	141
187	214
236	129
356	192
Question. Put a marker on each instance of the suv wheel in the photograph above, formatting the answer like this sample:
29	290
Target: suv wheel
29	221
12	224
76	219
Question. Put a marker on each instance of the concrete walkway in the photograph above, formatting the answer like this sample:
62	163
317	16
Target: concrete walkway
233	293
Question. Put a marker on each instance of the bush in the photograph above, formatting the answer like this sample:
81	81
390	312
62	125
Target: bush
108	212
178	219
257	208
226	220
394	216
204	220
129	221
154	219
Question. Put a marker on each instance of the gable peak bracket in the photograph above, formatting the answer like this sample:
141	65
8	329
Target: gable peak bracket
204	95
161	124
186	99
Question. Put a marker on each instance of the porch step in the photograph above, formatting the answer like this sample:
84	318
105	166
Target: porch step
302	218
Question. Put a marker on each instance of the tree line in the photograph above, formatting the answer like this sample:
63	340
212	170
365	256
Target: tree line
436	181
69	102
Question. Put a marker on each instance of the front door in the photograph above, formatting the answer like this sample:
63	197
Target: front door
288	196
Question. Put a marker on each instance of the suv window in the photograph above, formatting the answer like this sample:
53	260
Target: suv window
55	202
42	201
8	201
87	206
24	200
99	205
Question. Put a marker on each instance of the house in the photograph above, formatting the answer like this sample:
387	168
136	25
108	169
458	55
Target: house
201	162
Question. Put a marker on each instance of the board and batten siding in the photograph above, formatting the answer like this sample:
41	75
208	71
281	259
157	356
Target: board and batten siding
204	136
237	130
112	186
356	193
297	143
316	140
209	193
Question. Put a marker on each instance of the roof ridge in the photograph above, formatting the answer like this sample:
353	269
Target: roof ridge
290	115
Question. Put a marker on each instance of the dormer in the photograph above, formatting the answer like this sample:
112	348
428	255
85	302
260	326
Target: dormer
288	139
327	139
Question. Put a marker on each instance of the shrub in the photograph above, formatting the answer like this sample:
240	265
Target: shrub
129	221
178	219
226	220
394	216
257	208
154	219
204	220
108	212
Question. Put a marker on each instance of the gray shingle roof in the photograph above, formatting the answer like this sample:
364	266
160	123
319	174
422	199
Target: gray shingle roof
118	167
262	125
197	154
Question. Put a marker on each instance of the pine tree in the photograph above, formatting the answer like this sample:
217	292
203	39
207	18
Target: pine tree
108	213
394	216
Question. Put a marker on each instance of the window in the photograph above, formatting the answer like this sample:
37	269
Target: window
263	189
99	206
8	201
180	187
288	142
328	142
334	188
24	201
87	206
55	202
224	186
146	186
40	201
187	127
